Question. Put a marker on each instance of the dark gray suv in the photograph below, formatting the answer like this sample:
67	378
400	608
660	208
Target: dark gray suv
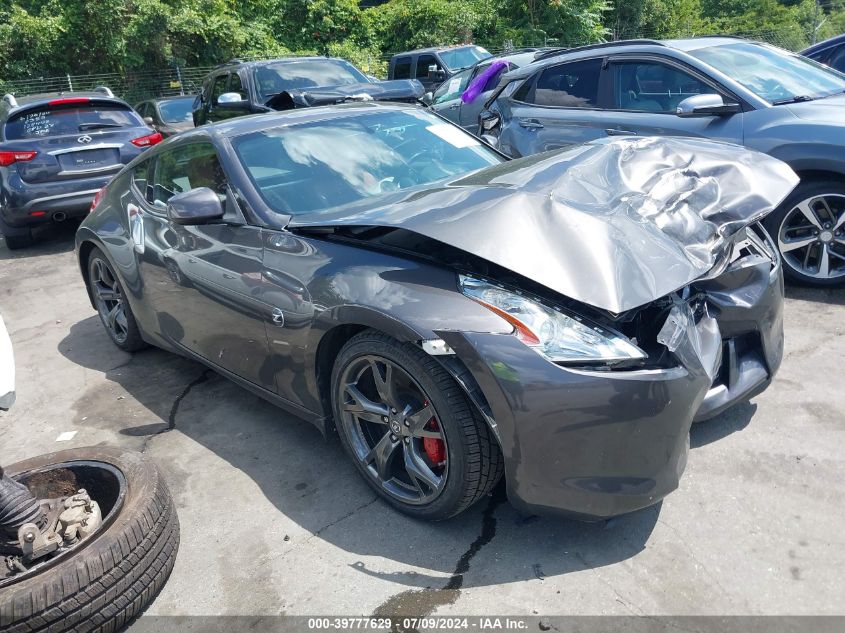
57	151
722	88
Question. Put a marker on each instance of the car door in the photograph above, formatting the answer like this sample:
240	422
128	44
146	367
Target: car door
203	282
423	75
214	110
469	111
557	107
646	92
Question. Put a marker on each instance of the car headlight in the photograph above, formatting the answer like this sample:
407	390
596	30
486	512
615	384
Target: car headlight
557	336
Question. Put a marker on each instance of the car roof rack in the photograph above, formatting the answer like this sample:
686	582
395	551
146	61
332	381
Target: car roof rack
104	90
10	99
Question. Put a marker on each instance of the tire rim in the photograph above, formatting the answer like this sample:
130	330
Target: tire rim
394	430
811	238
109	299
103	481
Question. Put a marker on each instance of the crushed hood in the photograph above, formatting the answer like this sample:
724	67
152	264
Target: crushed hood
614	223
402	90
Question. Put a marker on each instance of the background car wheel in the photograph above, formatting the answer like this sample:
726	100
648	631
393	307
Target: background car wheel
809	229
18	240
112	306
410	429
115	572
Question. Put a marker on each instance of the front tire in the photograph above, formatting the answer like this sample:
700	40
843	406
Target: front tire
809	229
411	431
112	305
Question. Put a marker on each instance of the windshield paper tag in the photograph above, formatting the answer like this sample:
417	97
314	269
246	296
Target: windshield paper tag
452	135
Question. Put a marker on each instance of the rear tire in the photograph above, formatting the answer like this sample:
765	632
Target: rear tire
19	240
111	303
473	461
116	572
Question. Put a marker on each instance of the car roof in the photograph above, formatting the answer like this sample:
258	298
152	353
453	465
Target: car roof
833	41
240	63
435	49
257	122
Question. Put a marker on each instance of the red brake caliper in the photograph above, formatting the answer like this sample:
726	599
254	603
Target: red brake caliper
434	447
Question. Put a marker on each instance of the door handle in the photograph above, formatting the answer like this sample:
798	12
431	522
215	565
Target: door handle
278	317
454	106
530	124
615	132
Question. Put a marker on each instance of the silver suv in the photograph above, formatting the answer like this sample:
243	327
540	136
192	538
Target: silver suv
722	88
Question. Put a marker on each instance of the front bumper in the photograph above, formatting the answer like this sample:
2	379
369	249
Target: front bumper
593	444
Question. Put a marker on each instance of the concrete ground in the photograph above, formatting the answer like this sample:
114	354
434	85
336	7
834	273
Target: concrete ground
275	520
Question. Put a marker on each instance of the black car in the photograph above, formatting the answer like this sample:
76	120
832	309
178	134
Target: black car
168	115
57	151
831	52
433	66
454	315
238	88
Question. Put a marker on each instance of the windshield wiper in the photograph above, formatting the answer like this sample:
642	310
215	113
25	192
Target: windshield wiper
97	126
795	99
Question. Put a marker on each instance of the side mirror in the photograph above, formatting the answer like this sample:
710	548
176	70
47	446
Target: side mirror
196	206
149	120
232	100
374	79
428	98
435	73
706	105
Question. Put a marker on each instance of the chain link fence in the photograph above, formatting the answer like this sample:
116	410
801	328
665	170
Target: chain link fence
135	86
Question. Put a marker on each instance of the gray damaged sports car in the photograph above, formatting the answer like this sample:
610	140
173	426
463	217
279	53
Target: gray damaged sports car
451	314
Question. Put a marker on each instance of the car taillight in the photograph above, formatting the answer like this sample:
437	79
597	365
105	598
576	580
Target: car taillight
149	140
68	101
97	197
9	158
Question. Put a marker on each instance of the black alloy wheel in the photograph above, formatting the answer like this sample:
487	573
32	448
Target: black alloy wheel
410	429
110	301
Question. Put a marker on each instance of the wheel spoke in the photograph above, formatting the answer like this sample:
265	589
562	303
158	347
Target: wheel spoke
824	262
791	245
381	455
111	317
419	419
120	320
419	471
805	208
363	407
833	253
840	222
384	383
105	293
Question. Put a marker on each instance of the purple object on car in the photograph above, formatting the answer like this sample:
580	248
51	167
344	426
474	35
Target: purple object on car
477	86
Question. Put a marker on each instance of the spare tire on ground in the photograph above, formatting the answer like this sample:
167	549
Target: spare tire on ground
106	580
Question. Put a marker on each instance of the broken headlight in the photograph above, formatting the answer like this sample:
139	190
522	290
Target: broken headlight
558	336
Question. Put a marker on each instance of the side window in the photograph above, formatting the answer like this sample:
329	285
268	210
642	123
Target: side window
218	88
423	62
653	87
235	85
402	68
574	85
140	175
837	59
185	168
452	88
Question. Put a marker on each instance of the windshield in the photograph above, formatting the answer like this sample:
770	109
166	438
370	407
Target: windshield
276	78
453	88
176	110
456	58
69	118
321	165
773	74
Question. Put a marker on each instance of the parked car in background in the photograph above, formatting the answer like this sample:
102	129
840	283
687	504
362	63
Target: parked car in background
57	151
451	99
238	88
723	88
831	52
168	115
433	66
454	315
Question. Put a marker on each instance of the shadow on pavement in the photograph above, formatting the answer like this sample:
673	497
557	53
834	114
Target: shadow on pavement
833	295
312	481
